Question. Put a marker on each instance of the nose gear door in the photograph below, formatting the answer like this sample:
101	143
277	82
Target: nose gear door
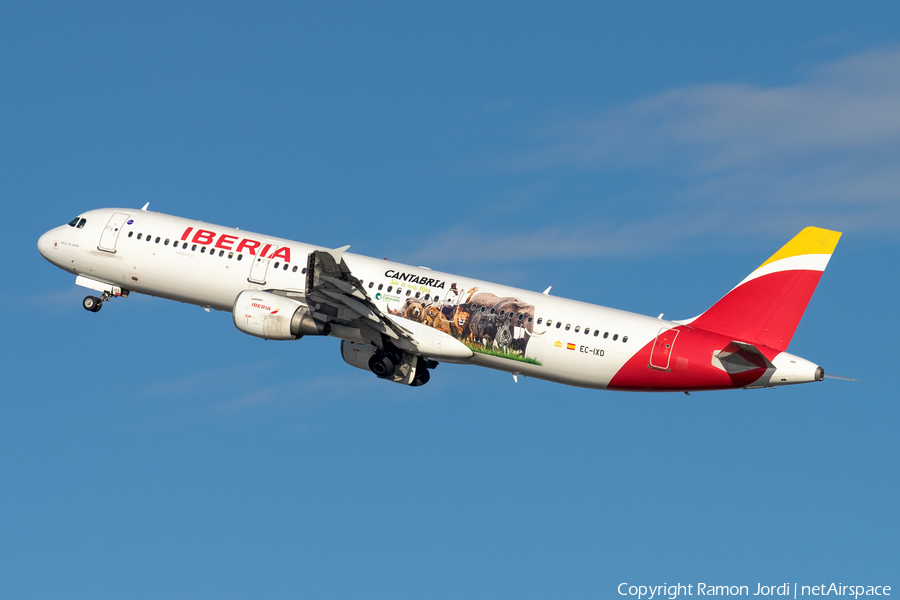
110	234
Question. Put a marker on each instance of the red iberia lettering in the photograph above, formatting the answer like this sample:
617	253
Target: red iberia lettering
186	233
225	239
265	249
250	245
284	253
204	237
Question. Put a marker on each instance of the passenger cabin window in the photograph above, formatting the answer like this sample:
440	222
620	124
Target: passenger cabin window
605	335
285	265
587	330
380	285
568	326
371	283
558	324
231	255
624	339
203	250
139	235
390	287
577	328
596	332
130	233
166	243
157	239
295	269
303	271
408	292
276	264
240	256
193	248
615	337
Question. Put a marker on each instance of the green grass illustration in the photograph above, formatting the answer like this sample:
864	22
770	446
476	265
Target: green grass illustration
494	352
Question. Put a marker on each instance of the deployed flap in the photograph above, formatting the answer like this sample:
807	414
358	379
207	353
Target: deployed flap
334	295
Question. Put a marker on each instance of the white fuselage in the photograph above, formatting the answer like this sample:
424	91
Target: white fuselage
532	334
161	264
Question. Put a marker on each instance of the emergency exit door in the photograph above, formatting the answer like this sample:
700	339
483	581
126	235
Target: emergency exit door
258	269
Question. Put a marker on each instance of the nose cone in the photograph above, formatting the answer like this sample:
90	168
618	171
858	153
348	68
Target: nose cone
45	243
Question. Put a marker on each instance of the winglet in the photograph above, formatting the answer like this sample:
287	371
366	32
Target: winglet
338	253
547	291
145	206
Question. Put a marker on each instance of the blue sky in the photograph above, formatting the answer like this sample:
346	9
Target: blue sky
642	156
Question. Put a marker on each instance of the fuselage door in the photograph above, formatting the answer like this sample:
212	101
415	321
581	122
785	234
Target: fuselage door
258	269
662	348
110	234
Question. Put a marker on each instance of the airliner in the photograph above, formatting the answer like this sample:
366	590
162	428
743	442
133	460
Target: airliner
399	321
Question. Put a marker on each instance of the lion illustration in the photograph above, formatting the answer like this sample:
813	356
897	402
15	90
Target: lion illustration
460	324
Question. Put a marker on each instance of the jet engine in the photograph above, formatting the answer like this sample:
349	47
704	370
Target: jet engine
388	363
273	317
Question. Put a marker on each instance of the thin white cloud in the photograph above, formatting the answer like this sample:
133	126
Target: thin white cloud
822	151
840	109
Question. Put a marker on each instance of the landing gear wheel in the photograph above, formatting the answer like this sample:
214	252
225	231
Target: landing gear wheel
91	303
381	365
422	378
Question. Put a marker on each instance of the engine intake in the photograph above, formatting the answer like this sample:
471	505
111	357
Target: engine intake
273	317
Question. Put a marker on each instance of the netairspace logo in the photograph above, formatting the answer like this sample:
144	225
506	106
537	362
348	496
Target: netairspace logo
649	592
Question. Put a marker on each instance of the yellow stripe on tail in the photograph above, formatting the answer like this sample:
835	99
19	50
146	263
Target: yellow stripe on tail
812	240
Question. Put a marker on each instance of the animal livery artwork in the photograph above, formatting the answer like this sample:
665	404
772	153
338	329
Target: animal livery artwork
486	323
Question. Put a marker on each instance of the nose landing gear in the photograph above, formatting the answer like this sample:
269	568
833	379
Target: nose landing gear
93	303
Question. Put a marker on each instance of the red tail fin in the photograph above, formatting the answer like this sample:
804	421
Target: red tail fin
766	307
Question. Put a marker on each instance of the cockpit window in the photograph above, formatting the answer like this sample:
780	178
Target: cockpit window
81	223
73	222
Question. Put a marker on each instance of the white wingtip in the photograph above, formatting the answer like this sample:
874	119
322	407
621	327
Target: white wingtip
547	291
145	206
338	253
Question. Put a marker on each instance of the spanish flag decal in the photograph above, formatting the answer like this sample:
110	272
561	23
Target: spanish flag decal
570	346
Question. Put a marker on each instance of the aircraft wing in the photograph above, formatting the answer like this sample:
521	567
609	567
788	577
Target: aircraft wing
336	297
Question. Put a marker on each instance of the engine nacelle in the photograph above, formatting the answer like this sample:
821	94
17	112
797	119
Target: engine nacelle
357	355
392	365
273	317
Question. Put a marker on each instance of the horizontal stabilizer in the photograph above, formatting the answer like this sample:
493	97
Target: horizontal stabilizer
740	357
